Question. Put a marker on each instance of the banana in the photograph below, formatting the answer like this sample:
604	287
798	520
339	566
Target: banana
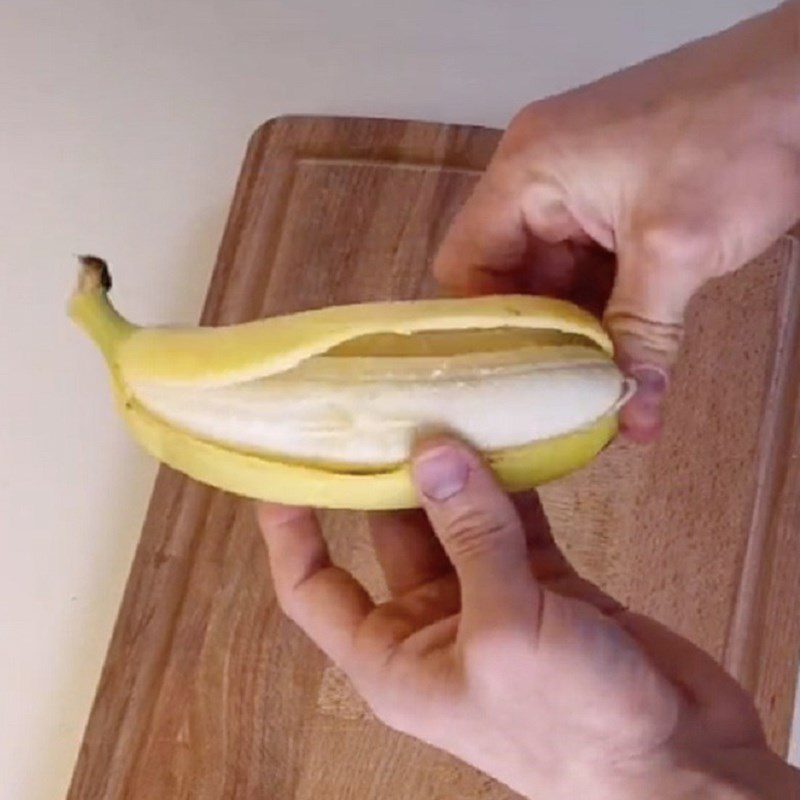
323	407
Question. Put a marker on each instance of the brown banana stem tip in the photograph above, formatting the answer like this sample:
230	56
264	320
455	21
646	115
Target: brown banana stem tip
94	275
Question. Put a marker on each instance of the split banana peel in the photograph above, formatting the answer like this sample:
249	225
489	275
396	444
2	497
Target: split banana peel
323	407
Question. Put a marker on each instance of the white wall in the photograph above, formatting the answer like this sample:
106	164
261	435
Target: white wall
122	127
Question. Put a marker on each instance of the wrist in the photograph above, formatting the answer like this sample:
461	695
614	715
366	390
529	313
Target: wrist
751	774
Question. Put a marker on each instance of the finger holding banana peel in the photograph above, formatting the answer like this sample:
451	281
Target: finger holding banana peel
323	407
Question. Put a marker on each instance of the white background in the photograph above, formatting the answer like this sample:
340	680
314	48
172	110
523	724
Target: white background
122	128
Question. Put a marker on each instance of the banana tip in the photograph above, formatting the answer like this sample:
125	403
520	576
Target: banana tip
94	275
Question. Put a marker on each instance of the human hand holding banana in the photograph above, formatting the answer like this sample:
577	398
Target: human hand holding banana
494	649
628	194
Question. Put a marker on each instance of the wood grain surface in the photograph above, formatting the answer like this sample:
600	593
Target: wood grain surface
208	692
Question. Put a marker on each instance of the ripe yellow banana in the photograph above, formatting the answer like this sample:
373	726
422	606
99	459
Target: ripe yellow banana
322	407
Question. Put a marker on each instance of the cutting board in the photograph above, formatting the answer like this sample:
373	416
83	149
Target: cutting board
208	692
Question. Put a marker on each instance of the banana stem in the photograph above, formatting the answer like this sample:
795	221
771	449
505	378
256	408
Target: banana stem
90	307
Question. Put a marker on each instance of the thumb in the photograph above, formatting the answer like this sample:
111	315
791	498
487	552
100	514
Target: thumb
645	316
481	532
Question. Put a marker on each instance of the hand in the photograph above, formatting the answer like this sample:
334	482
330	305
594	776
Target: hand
493	649
650	181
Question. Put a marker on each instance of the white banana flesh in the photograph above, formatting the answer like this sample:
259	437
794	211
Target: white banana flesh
365	411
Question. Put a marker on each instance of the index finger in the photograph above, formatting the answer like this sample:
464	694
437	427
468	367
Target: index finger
485	245
327	602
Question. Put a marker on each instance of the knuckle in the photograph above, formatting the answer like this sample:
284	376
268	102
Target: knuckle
289	604
447	267
283	594
395	716
380	638
640	340
666	262
391	711
291	596
531	126
472	532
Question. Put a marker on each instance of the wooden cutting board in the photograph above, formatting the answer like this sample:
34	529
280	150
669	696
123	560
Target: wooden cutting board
208	692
